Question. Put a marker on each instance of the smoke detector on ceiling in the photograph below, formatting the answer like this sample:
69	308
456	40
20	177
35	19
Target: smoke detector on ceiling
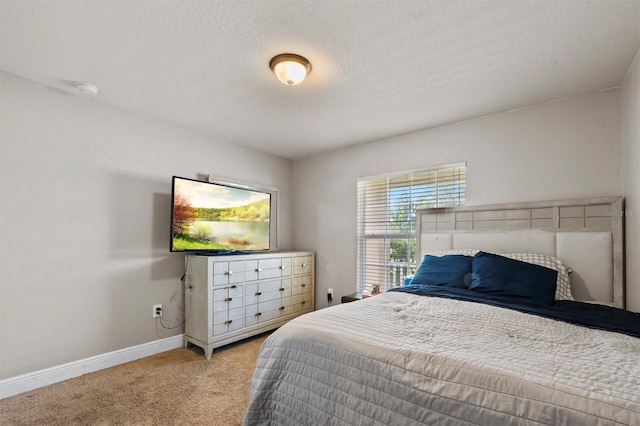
87	89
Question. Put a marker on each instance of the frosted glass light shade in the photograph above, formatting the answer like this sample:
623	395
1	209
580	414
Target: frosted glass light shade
289	68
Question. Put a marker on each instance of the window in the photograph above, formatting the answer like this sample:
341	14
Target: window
386	220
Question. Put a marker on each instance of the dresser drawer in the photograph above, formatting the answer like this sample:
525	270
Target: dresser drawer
302	265
228	273
227	298
301	302
226	321
301	284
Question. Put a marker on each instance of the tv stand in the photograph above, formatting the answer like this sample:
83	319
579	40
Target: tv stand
234	296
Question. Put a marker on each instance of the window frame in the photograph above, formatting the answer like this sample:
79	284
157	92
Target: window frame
374	264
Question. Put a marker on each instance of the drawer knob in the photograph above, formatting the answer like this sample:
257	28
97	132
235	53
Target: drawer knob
234	286
258	293
281	289
303	302
229	273
258	269
281	267
303	285
303	265
228	321
282	308
228	299
258	314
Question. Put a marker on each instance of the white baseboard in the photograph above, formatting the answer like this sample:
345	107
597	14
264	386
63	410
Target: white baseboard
37	379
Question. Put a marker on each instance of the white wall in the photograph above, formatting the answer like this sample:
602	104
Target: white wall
564	149
84	222
630	135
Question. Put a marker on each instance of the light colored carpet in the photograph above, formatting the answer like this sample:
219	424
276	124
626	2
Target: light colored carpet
177	387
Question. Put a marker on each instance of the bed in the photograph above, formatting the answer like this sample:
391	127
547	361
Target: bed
431	354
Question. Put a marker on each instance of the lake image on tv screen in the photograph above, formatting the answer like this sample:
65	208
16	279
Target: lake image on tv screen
216	217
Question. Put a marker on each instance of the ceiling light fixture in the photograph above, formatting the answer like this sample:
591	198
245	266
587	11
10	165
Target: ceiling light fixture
291	69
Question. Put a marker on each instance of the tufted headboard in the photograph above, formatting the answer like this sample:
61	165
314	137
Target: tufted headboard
586	235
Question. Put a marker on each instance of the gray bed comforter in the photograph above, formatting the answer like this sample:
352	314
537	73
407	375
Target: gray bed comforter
403	359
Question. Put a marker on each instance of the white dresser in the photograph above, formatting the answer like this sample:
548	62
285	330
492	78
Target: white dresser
229	298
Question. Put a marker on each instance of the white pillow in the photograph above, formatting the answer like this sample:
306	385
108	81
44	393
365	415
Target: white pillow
563	283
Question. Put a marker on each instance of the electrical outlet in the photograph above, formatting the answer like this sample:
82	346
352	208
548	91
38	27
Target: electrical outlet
157	311
330	295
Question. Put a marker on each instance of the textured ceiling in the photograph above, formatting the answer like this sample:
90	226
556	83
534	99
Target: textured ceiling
380	67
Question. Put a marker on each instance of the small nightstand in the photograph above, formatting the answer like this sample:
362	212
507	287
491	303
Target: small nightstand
353	297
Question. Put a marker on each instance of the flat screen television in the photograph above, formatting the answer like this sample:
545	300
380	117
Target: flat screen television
217	218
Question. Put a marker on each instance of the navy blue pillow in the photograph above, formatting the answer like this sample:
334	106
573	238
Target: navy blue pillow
501	276
447	271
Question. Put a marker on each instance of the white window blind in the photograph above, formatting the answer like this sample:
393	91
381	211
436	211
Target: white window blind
386	220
